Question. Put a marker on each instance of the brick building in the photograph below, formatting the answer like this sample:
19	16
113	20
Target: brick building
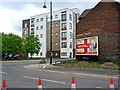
25	28
103	21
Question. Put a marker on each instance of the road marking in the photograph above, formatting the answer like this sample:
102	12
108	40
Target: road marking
99	87
53	81
4	72
30	77
44	79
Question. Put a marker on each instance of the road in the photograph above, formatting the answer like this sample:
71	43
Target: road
17	76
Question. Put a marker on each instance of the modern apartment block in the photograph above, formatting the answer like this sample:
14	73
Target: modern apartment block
63	32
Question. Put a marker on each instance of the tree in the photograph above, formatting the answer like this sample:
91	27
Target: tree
11	43
31	45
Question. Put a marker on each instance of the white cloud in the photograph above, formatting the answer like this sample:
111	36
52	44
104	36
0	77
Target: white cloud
49	0
10	18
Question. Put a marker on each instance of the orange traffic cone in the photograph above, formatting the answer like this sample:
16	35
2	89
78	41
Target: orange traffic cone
73	83
4	85
39	83
111	83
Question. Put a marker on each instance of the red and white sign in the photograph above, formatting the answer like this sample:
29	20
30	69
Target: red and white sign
87	46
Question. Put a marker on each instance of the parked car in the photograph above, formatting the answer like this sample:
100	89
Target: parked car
18	56
8	56
15	56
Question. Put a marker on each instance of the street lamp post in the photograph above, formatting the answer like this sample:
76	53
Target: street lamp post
50	29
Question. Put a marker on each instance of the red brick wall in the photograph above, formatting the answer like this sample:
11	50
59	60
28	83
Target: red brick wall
103	20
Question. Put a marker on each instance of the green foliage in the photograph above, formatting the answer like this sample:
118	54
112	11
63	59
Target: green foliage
31	45
11	43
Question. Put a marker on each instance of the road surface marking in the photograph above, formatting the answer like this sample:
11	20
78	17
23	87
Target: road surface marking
4	72
30	77
44	79
99	87
53	81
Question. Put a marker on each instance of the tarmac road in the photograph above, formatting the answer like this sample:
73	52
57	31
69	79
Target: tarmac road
17	76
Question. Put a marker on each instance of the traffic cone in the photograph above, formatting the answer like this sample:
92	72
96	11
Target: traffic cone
4	85
73	83
40	84
111	83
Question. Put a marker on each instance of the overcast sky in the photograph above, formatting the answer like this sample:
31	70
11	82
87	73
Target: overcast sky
13	12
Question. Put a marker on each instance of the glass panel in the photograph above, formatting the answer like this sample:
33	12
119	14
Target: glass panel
64	44
63	17
63	26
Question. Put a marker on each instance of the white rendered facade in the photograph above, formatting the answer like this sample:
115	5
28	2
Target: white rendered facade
39	26
70	31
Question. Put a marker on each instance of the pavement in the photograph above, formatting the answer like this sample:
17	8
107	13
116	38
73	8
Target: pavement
80	71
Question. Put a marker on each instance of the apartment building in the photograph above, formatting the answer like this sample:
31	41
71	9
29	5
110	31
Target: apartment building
25	28
63	32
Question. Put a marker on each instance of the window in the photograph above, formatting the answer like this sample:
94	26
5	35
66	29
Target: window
37	28
70	44
56	16
41	19
70	16
41	54
32	30
25	32
64	27
37	20
64	35
56	24
37	35
71	35
70	25
56	34
64	44
32	25
25	25
63	17
41	27
56	54
41	35
32	20
63	53
56	43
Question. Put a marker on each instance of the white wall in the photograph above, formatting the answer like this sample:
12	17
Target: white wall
40	31
68	49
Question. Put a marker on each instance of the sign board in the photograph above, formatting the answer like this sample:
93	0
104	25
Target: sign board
87	46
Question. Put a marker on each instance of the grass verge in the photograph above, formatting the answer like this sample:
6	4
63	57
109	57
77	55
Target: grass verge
90	64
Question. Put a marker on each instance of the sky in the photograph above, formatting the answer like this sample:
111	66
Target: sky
12	12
